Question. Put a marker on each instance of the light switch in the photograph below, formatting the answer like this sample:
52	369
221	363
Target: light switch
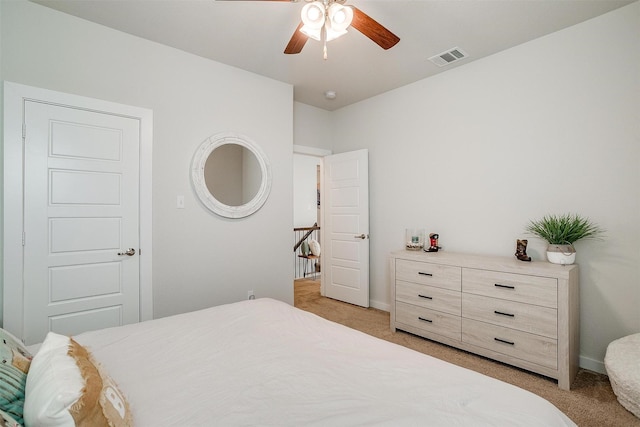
180	202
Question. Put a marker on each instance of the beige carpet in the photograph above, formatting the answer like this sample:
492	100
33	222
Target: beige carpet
591	401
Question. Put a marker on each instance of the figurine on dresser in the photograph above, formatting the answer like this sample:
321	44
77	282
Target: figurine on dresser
433	242
521	250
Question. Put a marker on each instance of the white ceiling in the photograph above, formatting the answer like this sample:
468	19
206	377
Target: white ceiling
251	35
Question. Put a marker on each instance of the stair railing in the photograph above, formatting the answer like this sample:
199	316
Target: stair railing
303	266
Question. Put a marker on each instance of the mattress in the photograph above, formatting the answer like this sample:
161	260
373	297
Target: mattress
263	362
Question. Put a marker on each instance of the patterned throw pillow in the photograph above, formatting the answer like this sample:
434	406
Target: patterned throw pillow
66	387
13	376
101	402
7	420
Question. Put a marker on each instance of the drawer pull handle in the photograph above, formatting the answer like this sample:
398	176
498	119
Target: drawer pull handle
424	296
498	285
504	314
505	341
425	320
425	274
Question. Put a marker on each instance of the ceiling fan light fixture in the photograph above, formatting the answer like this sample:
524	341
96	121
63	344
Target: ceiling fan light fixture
332	34
314	33
313	15
339	17
326	20
333	20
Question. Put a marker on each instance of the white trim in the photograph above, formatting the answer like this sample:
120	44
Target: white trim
321	224
381	305
311	151
146	215
14	96
592	365
12	204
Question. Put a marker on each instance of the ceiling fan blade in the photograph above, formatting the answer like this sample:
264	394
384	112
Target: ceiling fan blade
373	29
298	39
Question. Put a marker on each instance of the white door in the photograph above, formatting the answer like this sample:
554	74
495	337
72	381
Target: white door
81	215
345	252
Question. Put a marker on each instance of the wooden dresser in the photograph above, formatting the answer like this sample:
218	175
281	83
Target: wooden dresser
525	314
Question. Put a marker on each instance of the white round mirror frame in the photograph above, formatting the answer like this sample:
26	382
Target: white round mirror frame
197	175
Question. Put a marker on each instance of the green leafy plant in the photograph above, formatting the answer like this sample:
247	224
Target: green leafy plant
564	229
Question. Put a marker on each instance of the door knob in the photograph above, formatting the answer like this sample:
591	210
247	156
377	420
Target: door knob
361	236
130	252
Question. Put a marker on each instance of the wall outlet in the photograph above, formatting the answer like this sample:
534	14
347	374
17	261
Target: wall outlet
250	295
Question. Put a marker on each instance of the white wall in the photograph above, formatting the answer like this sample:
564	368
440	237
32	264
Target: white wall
312	138
311	126
551	126
305	208
199	259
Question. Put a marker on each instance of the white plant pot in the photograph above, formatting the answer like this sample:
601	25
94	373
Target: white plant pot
561	254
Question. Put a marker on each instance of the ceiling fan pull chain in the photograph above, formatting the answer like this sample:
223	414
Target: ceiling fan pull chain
324	41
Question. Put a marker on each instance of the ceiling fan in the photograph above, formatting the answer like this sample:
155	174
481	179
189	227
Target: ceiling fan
326	20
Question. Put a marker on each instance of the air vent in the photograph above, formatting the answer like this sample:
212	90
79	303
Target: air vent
448	57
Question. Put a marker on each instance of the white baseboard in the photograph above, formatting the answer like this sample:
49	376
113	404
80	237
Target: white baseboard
380	305
592	365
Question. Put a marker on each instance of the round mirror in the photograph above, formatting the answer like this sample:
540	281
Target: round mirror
231	175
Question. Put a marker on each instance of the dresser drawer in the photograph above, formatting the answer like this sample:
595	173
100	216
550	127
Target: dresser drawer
523	317
536	349
428	320
429	297
440	276
514	287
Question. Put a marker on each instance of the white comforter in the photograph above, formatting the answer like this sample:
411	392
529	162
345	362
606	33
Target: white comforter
265	363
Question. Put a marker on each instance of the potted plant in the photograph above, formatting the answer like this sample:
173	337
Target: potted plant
561	232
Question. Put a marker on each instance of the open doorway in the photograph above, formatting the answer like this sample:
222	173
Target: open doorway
339	184
307	217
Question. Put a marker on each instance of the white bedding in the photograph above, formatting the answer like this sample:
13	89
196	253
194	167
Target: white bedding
263	362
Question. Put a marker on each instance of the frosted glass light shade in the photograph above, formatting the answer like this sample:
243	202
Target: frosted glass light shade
313	15
332	34
314	33
334	20
339	17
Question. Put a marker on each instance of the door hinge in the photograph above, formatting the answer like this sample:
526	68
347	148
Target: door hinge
24	130
23	237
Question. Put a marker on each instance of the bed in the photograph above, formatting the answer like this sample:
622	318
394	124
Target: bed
264	363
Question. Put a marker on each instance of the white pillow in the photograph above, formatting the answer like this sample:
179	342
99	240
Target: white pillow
53	384
315	247
66	388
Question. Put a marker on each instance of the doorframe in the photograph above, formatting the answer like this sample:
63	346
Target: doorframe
321	153
15	95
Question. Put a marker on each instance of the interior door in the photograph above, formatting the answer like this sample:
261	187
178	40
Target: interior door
81	220
345	251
